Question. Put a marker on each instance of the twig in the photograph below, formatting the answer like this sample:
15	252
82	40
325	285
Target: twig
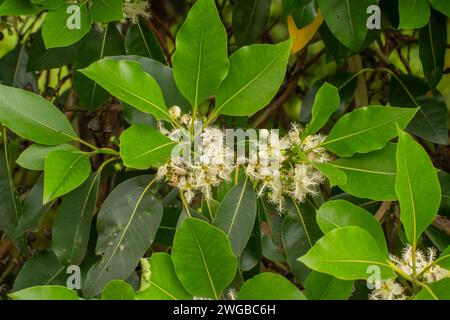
442	224
382	210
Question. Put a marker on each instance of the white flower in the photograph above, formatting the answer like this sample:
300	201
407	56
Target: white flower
388	290
133	9
175	112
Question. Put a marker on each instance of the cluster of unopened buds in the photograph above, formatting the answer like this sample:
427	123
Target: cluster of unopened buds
275	167
425	267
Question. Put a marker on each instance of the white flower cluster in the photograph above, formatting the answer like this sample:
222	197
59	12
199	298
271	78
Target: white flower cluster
428	271
200	169
283	167
280	167
133	9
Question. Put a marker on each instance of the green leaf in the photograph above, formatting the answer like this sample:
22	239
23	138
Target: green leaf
33	208
271	232
433	45
347	20
164	76
34	118
431	122
142	147
439	290
367	129
18	8
236	215
269	286
118	290
299	233
41	58
50	4
45	293
256	73
203	258
33	157
96	46
334	175
72	226
55	31
444	259
321	286
163	283
201	60
42	269
107	10
441	5
141	41
10	208
249	20
414	14
252	254
14	69
127	81
326	103
340	213
64	171
126	225
417	186
370	175
346	253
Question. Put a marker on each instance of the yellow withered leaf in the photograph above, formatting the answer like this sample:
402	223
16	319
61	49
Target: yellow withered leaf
302	36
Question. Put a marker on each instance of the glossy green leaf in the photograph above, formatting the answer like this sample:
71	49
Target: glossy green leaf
96	46
439	290
431	121
41	58
335	175
72	226
367	129
236	215
141	41
45	293
249	20
340	213
107	10
252	254
346	253
41	270
444	259
326	103
162	281
164	76
370	175
142	147
118	290
55	29
126	225
271	232
433	45
347	20
64	171
269	286
256	73
321	286
10	208
441	5
201	60
203	258
414	14
127	81
14	69
299	233
33	157
33	118
33	208
18	8
417	187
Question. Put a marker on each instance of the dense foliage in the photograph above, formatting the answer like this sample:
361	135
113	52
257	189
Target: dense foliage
118	179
